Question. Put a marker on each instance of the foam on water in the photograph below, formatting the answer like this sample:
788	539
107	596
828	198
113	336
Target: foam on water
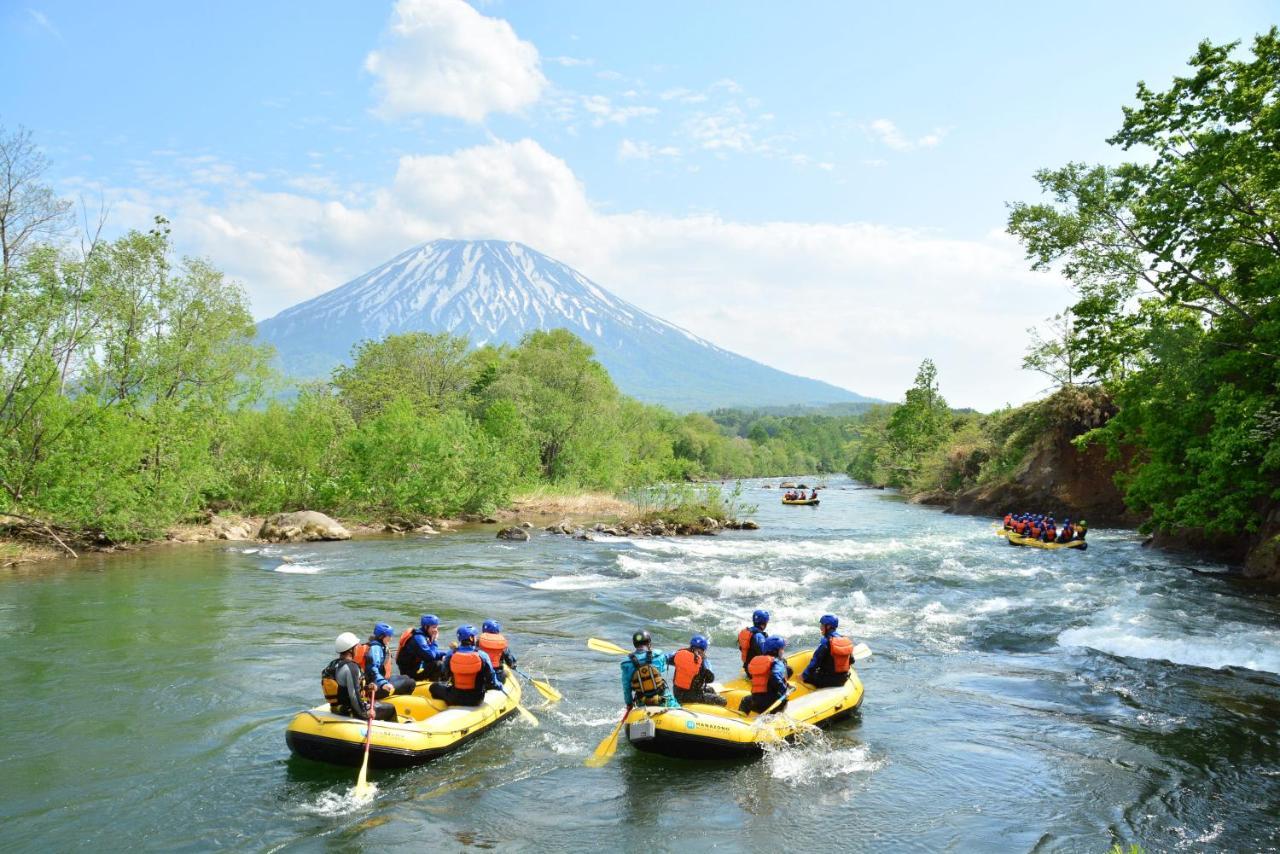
572	582
807	763
1235	647
297	569
336	803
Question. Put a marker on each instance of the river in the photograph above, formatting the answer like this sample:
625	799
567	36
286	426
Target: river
1018	700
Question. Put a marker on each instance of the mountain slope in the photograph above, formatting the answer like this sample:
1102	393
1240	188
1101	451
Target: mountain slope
495	292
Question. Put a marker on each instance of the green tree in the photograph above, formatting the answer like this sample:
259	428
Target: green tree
431	370
1176	258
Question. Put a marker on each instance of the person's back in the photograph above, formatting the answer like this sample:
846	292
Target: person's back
832	659
493	644
768	675
644	682
693	677
469	672
343	684
751	639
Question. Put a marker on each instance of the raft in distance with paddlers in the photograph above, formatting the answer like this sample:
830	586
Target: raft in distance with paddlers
424	729
700	731
1017	540
801	501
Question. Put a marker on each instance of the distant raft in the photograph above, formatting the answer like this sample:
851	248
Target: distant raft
425	728
801	501
699	731
1018	540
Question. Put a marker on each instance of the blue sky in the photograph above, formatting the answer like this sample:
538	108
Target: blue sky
821	187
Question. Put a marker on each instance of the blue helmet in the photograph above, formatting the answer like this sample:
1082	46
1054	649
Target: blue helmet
491	626
466	634
382	630
698	642
774	644
760	617
429	620
829	621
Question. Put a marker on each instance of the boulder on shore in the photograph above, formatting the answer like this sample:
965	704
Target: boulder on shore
301	526
514	532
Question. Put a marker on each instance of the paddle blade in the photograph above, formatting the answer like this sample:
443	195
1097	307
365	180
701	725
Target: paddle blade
545	689
861	652
605	750
363	788
527	715
604	646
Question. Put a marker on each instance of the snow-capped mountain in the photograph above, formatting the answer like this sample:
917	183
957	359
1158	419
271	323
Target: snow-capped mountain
493	292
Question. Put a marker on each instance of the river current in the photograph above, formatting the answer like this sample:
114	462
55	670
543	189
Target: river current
1018	699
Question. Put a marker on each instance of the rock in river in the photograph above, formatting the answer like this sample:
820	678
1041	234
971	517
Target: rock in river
513	533
301	526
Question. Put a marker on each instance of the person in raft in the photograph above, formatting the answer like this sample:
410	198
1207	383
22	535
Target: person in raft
496	647
375	661
469	671
751	639
768	674
418	654
693	677
343	683
832	659
643	682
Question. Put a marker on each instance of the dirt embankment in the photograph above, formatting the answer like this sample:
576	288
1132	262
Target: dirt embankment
1056	478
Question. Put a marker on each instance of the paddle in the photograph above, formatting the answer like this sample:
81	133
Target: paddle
861	652
604	646
605	750
543	688
363	789
524	713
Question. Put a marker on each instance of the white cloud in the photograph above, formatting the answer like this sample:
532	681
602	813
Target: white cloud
604	111
444	57
856	304
631	150
888	133
570	61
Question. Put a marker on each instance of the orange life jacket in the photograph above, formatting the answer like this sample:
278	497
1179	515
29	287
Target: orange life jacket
403	643
465	666
1034	531
744	642
362	652
688	665
495	645
759	669
841	649
1020	525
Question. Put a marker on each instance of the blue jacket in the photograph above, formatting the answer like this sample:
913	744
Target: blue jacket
486	678
821	658
629	669
373	662
425	649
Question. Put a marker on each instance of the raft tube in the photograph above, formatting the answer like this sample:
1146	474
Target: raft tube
813	501
1017	540
699	731
426	728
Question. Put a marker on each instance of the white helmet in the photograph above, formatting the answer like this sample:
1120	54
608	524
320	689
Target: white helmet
344	642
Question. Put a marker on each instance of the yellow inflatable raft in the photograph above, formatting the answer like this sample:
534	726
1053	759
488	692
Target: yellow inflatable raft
426	728
1017	540
699	731
813	501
